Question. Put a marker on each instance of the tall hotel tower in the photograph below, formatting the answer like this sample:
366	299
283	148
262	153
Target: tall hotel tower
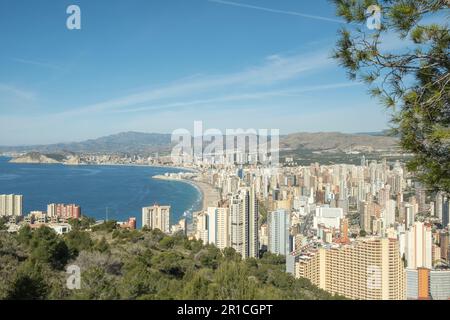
10	205
156	217
244	223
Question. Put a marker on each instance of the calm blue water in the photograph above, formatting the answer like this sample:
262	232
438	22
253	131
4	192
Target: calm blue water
123	189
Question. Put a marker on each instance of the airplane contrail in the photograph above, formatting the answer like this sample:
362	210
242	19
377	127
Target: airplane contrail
292	13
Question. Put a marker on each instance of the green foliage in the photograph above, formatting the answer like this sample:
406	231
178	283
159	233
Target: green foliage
139	265
27	286
169	263
197	287
3	221
101	245
274	259
413	82
77	241
96	284
156	235
210	257
233	282
126	235
24	235
193	245
47	247
167	242
139	282
231	255
81	224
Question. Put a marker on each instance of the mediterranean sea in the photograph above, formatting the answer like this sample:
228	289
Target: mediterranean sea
124	190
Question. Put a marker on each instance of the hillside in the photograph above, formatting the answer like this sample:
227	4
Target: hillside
51	158
146	143
125	142
337	142
36	157
122	264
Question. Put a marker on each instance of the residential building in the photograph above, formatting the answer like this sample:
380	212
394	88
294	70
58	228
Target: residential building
367	269
156	217
279	238
11	205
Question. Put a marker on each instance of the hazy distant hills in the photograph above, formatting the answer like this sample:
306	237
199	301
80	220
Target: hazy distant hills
336	141
145	143
125	142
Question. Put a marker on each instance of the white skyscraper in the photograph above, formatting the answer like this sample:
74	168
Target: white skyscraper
201	226
156	217
419	246
11	205
389	213
279	223
244	222
219	227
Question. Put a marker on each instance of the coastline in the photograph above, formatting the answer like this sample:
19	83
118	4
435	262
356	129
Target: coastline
210	196
102	164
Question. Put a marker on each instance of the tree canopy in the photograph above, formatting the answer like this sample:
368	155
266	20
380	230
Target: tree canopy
406	64
138	265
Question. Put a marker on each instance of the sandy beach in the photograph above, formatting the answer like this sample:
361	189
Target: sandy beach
210	196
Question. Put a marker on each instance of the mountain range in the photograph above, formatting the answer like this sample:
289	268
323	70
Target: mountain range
147	143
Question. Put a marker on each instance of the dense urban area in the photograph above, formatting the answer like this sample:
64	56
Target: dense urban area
367	231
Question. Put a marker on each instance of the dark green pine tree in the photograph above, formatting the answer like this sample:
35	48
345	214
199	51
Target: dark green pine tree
412	81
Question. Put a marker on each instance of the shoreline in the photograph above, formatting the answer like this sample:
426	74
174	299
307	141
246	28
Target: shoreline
105	164
210	196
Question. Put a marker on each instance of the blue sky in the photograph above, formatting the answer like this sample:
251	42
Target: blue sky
155	66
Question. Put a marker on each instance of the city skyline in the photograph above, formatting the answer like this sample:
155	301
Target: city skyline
226	150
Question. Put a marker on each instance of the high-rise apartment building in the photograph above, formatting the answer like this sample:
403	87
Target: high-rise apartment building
201	226
279	238
244	214
388	213
219	227
364	216
11	205
419	246
367	269
237	222
156	217
64	211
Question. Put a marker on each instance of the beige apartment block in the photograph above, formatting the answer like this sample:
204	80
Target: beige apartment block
367	269
156	217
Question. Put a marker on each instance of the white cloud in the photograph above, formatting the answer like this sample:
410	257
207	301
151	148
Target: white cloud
37	63
273	71
17	92
293	92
